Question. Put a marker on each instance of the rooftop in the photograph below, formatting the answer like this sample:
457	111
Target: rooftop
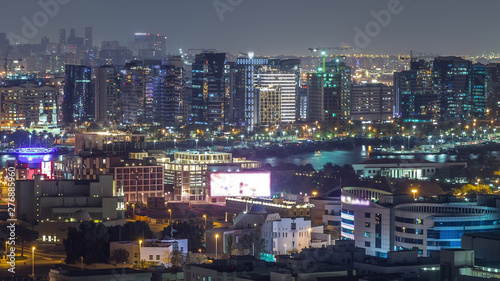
96	272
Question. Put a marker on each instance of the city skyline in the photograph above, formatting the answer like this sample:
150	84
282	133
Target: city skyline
375	27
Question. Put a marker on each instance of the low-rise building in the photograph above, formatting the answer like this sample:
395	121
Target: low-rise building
150	250
99	275
286	234
402	168
285	208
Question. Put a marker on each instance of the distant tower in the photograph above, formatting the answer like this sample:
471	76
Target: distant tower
88	37
62	36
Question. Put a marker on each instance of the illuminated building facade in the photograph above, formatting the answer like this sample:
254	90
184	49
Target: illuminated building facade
210	90
107	94
113	143
139	182
329	93
78	103
149	46
269	106
380	221
28	105
188	172
285	208
461	86
286	234
415	98
371	102
134	103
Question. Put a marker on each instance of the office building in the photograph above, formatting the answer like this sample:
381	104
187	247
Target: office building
493	90
329	93
188	172
415	97
112	143
139	180
107	94
28	105
148	46
164	85
88	43
135	107
461	86
40	199
78	103
402	168
381	222
371	102
210	86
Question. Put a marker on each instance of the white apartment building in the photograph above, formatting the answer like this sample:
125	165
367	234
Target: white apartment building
286	234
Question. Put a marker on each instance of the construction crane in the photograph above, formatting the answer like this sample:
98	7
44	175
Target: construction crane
323	50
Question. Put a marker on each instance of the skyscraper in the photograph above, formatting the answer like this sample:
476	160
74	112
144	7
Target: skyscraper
149	46
107	90
78	103
210	99
62	36
371	102
415	97
493	90
88	37
461	86
133	98
329	93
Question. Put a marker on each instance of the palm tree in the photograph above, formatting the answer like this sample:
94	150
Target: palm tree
176	258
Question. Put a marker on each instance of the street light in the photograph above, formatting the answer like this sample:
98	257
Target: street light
310	237
196	143
46	141
212	141
285	249
33	261
30	140
175	143
170	222
414	191
227	140
205	217
154	144
140	251
216	237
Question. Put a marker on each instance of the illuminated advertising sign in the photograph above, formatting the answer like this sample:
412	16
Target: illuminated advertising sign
354	201
245	184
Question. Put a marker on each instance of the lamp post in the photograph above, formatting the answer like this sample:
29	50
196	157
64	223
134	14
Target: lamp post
46	141
409	142
205	217
175	143
242	136
30	140
140	251
227	140
414	191
154	144
390	141
310	237
216	237
196	143
212	141
33	261
170	222
285	249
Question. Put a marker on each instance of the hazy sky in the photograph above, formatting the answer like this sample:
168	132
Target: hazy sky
274	26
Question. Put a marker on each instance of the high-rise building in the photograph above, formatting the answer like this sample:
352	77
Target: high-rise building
210	97
78	103
493	90
415	98
28	105
107	94
371	102
149	46
329	93
133	99
461	86
165	85
62	36
88	37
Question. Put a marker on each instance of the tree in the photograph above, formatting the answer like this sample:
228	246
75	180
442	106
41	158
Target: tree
24	235
91	242
470	190
176	258
119	255
230	244
192	232
130	231
252	242
195	258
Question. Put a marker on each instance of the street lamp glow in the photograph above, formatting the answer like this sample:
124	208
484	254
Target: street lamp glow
140	251
216	237
33	261
414	191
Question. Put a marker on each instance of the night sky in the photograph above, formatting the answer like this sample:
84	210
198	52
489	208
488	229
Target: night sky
268	27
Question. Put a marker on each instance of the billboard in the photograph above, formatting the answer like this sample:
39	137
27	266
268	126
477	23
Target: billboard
244	184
